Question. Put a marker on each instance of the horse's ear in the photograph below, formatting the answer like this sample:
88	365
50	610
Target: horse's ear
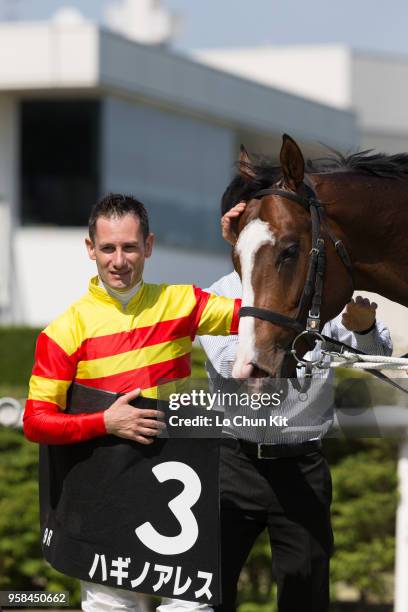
245	165
292	162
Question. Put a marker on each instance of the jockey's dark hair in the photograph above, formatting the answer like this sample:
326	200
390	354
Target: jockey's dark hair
118	205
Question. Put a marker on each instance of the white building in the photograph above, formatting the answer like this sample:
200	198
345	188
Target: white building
84	112
374	86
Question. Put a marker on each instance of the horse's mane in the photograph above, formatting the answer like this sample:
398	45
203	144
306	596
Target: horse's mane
264	171
363	162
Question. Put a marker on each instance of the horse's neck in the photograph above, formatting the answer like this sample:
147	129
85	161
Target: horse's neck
370	214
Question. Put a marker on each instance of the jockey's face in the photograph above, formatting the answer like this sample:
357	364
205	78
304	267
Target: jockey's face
119	250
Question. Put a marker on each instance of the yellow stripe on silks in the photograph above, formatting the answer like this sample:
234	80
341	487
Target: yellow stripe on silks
216	317
66	332
131	360
49	390
164	391
92	318
171	302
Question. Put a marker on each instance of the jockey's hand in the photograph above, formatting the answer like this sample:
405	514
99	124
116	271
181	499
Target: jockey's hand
359	314
228	233
126	421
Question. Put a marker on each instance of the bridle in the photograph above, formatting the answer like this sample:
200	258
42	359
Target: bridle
311	298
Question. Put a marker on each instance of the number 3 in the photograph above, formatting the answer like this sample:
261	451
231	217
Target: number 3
180	507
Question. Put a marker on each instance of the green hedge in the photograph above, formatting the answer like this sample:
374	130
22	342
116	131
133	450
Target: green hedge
17	346
22	566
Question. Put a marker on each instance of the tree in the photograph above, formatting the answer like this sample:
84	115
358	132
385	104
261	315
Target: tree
22	566
364	506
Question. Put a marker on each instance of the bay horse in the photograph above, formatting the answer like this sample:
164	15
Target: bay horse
308	239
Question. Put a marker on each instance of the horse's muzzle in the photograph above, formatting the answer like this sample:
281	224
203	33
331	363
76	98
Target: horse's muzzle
270	364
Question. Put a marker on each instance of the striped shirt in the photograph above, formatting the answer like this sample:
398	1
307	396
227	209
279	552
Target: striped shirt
101	344
308	417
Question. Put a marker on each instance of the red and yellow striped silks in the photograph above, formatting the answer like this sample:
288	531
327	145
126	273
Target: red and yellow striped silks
98	344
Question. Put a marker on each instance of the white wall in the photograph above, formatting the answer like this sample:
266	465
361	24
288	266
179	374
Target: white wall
9	149
384	141
9	164
380	97
317	72
54	270
37	55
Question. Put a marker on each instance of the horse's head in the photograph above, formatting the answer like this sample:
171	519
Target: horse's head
273	257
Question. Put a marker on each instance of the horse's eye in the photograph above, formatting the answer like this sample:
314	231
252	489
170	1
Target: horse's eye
289	253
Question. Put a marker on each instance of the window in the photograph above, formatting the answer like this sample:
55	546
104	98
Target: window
59	161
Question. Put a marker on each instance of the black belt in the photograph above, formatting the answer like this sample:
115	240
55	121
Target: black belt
275	451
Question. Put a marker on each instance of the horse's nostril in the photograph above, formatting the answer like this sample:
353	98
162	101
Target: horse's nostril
259	372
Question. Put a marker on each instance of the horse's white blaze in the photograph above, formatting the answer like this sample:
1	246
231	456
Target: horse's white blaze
256	234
